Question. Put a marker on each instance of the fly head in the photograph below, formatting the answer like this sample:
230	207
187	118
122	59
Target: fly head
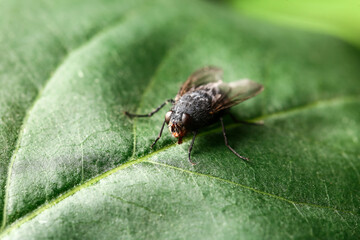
178	123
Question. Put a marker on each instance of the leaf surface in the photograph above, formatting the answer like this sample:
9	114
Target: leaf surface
73	166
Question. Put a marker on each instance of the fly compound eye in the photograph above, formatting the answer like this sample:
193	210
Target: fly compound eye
185	119
167	117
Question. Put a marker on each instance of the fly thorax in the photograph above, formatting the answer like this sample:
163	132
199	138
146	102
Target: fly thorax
197	105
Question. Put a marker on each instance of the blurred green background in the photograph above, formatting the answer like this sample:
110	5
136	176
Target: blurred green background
338	18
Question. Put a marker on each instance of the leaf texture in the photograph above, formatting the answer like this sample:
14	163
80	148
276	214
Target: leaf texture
74	166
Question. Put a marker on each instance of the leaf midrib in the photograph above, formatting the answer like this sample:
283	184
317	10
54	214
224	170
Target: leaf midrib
294	110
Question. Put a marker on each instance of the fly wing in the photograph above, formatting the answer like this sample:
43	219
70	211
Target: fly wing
234	93
199	78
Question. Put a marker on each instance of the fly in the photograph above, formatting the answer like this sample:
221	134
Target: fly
201	101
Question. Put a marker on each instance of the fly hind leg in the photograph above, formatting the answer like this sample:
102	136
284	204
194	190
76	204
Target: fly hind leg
227	144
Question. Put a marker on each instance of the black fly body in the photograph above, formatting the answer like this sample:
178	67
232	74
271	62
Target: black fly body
201	101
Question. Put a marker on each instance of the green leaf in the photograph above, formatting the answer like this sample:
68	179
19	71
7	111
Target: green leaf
73	166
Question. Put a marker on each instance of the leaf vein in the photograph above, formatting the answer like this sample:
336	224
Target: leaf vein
250	188
135	204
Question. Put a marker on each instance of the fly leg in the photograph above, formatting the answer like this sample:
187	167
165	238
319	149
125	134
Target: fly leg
151	113
161	130
191	146
258	123
227	144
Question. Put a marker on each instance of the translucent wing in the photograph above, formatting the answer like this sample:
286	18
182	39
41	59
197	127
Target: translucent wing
199	78
234	93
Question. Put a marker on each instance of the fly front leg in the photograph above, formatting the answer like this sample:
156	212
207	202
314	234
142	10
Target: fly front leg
190	148
227	144
161	130
151	113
